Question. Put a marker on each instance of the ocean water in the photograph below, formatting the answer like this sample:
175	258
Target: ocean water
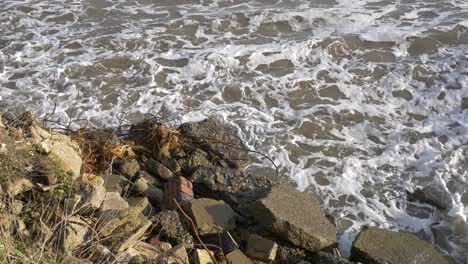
356	101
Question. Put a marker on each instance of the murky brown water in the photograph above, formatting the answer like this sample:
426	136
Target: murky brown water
357	101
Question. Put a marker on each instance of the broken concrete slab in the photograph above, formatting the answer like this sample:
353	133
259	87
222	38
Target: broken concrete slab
123	228
212	216
237	257
261	248
296	217
382	246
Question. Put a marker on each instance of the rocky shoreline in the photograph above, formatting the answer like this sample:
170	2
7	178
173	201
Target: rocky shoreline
158	194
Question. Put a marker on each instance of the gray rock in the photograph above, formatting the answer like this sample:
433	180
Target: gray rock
92	192
114	202
128	167
168	226
381	246
17	186
237	257
77	233
177	255
203	256
296	217
159	169
195	160
212	216
150	178
115	183
261	248
154	194
218	138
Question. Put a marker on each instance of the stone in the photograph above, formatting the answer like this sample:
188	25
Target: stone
113	201
261	248
198	158
211	216
123	228
237	257
379	246
218	138
101	254
168	226
143	252
128	167
115	183
159	169
203	256
150	178
70	259
16	206
296	217
162	246
225	241
177	255
76	234
173	165
154	194
18	186
139	203
59	146
92	192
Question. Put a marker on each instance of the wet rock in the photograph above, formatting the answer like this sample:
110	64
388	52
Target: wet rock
212	216
195	160
123	228
375	245
261	248
76	233
432	195
113	201
154	194
128	167
218	138
203	256
159	169
296	217
168	226
17	186
92	192
238	257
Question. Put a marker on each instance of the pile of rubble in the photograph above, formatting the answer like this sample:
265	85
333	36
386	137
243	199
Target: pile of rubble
163	195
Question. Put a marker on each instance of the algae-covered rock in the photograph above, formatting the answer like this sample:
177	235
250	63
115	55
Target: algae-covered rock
219	139
381	246
296	217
